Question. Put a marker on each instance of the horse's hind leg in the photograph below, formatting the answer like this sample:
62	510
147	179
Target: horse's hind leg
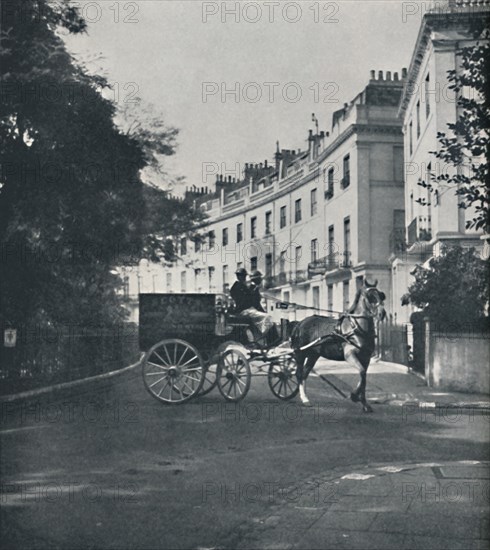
300	363
305	371
359	394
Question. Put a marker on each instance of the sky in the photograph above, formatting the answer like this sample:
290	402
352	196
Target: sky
279	61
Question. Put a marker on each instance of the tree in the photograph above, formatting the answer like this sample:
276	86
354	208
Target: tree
453	289
466	147
72	202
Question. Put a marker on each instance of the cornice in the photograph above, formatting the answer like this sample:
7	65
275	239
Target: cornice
285	188
446	20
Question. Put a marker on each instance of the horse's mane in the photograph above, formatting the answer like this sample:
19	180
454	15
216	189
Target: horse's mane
355	302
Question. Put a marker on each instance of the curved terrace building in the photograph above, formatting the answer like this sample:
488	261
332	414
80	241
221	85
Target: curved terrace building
315	222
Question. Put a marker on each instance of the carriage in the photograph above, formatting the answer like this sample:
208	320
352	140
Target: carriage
194	343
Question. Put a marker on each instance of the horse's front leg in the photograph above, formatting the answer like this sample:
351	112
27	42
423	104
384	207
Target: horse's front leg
359	394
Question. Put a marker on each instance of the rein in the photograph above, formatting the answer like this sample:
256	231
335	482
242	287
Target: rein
301	306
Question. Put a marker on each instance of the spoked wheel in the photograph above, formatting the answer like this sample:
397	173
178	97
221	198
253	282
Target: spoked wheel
210	379
173	371
233	375
282	378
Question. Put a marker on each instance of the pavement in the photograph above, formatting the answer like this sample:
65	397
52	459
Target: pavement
395	384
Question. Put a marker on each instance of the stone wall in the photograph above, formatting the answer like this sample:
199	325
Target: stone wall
458	361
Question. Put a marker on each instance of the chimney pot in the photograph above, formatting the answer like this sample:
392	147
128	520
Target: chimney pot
380	75
388	75
404	72
229	179
395	77
373	75
265	163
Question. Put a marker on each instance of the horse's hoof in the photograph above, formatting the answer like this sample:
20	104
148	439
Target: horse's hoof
354	397
367	409
306	404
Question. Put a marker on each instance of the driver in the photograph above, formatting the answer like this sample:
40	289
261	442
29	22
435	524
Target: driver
256	313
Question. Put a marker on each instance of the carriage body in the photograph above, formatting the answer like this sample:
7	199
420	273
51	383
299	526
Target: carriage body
194	343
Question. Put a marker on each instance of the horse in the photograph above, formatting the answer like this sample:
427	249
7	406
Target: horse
351	339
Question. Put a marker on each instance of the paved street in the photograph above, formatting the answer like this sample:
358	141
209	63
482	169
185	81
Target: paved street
115	469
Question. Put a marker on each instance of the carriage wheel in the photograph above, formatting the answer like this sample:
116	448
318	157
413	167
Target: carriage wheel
210	379
173	371
282	378
233	375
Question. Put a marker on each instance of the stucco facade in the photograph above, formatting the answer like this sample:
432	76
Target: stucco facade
427	107
315	224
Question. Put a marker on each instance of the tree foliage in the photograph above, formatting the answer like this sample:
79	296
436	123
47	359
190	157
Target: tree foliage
466	146
453	288
72	201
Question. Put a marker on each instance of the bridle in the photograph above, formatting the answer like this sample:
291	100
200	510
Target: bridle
353	317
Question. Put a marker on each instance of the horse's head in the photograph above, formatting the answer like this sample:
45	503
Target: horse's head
373	300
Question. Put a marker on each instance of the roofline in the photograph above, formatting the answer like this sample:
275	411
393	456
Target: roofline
421	43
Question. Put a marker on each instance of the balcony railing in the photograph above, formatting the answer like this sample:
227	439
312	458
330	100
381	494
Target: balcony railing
346	259
300	276
328	194
345	182
419	230
280	279
329	263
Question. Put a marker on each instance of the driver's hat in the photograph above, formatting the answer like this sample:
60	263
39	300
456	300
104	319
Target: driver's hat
256	275
241	271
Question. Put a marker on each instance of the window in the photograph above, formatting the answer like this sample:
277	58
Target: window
282	222
197	245
316	297
427	92
329	193
286	297
212	239
225	236
346	295
239	232
297	211
297	258
253	227
418	118
183	281
253	263
282	262
314	205
359	281
331	241
225	278
314	250
211	278
126	286
197	280
346	179
330	297
268	223
347	241
183	246
239	265
169	282
268	265
410	137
